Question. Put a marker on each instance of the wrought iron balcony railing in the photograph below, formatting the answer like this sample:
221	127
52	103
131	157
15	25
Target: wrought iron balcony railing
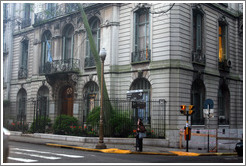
25	23
59	66
89	62
141	56
22	73
198	58
57	11
225	65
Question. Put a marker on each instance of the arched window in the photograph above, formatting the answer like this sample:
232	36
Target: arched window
67	46
22	73
198	33
223	105
95	29
21	105
42	98
141	46
223	39
90	93
197	99
46	51
143	113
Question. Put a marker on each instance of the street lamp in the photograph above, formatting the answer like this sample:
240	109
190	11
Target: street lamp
101	144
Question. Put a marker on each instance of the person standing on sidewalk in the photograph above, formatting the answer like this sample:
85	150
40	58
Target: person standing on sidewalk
140	135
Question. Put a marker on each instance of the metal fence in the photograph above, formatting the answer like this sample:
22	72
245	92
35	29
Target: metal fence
120	117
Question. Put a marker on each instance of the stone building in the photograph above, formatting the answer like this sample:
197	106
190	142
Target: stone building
182	53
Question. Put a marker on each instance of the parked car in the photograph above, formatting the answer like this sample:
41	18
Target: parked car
239	148
6	135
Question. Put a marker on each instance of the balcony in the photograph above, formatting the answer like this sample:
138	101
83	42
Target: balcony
5	49
60	70
89	62
198	58
25	23
57	11
141	56
60	66
22	73
224	65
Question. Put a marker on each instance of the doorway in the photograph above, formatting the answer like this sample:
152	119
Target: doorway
67	101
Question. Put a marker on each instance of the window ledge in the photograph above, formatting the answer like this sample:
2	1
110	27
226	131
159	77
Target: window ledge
90	68
140	62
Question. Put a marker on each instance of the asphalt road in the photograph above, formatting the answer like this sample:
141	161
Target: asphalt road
33	153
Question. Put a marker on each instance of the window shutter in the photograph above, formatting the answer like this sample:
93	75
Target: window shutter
98	39
63	47
72	46
87	47
24	54
43	54
198	31
135	32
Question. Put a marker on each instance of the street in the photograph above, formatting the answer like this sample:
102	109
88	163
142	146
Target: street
34	153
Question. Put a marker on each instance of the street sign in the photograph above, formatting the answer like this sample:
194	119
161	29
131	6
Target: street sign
135	94
138	104
210	103
208	113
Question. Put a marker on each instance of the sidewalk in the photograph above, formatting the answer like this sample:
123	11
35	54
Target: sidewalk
114	145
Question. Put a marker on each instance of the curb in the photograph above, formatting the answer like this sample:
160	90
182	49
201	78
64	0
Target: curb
119	151
112	150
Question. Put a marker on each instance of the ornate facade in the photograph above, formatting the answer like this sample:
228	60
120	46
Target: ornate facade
180	53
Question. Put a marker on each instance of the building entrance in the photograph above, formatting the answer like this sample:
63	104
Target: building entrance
67	101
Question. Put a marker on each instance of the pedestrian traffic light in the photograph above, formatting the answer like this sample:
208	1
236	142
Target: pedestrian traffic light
183	109
191	111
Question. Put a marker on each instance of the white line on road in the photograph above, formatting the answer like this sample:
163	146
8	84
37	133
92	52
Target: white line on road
39	156
43	152
22	160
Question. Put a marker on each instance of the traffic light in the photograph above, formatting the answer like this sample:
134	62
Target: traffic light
183	109
191	111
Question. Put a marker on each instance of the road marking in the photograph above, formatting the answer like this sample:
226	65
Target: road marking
43	152
39	156
22	160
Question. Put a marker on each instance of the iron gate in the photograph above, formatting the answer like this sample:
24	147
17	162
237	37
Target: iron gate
40	116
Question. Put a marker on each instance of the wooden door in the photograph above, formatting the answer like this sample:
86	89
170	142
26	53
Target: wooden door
67	101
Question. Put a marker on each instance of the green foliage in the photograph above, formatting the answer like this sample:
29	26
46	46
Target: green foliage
41	124
63	124
120	123
17	126
94	117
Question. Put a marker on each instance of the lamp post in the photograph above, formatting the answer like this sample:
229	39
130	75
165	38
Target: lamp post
101	144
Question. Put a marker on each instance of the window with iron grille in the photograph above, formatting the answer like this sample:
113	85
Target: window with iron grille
24	60
68	39
197	51
223	105
95	29
143	113
26	22
223	57
141	48
222	42
46	51
51	9
197	99
21	105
